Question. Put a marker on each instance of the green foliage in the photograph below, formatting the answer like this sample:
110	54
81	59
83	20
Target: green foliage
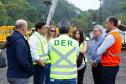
31	10
114	8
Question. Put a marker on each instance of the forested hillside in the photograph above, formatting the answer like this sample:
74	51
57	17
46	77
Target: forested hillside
31	10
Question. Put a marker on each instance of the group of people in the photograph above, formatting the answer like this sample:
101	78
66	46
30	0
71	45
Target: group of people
60	59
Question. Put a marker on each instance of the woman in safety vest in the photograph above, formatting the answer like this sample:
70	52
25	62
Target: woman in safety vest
82	59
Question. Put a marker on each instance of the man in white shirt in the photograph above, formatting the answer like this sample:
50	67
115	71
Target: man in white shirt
110	50
39	53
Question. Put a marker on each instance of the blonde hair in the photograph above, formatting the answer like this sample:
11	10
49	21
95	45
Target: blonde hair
48	37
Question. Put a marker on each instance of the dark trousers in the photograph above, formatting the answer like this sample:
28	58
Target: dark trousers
38	74
80	74
47	74
96	71
18	81
108	74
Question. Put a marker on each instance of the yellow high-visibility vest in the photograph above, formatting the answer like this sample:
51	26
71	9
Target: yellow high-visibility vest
63	56
81	49
42	48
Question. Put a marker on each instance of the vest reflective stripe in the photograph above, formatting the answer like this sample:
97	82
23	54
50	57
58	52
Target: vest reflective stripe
62	73
112	54
63	69
44	56
63	57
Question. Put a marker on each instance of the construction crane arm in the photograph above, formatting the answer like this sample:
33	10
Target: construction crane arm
51	12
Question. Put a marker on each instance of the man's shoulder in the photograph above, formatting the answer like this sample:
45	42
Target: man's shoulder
68	38
21	40
33	37
102	38
92	41
75	41
109	36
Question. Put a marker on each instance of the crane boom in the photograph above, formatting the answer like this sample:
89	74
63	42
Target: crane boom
51	12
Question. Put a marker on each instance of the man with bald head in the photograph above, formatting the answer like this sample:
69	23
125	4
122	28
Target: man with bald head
21	26
18	55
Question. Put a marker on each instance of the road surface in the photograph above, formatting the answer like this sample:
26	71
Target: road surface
121	78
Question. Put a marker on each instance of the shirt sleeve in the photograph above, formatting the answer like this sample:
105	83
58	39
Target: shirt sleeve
89	53
33	42
97	60
108	42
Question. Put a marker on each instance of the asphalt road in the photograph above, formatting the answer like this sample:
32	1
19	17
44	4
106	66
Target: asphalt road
121	78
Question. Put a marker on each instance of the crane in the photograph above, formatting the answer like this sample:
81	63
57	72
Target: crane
53	5
51	12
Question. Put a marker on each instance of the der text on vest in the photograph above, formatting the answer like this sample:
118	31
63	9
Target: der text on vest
63	43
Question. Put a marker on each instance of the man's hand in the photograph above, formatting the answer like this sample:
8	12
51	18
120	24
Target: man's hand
41	63
93	64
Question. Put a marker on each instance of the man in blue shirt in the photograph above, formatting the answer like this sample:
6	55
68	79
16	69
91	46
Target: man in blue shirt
94	59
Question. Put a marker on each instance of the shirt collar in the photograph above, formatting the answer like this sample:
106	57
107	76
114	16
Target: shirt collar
114	30
25	37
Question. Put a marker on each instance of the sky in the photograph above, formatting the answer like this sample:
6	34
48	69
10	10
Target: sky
86	4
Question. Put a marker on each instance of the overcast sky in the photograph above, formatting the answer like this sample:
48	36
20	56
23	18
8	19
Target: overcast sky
86	4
